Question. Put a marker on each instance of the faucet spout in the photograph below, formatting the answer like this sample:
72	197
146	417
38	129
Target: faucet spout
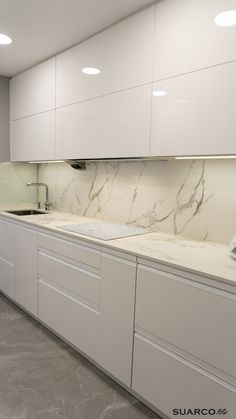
46	203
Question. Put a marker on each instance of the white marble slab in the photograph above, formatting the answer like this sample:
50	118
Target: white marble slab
182	197
201	257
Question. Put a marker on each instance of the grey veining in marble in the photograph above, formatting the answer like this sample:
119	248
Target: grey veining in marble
42	378
188	198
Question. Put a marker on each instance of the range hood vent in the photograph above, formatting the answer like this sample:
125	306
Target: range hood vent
80	164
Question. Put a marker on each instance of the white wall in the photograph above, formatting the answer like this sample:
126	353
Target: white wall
191	198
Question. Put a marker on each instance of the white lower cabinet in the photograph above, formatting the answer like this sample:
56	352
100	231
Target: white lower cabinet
7	278
76	322
169	382
7	258
117	316
168	337
87	297
182	312
185	343
26	287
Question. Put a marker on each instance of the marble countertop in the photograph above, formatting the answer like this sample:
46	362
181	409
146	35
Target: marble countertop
199	257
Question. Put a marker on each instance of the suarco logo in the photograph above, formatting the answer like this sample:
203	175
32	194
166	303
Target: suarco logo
199	412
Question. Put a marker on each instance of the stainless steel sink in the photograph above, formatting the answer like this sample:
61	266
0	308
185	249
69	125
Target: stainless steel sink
26	212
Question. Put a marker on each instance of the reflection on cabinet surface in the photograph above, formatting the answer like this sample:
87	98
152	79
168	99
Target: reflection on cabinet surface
196	116
187	38
123	54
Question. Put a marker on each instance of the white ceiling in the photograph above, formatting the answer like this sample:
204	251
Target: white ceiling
42	28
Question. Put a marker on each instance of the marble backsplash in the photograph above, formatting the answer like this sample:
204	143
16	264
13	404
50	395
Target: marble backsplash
13	179
191	198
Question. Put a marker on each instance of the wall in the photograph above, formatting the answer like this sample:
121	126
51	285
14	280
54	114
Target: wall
191	198
4	118
13	178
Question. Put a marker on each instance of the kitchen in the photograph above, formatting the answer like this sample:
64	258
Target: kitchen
117	209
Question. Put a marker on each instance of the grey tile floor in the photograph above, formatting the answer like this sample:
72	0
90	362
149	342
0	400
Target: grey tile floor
43	378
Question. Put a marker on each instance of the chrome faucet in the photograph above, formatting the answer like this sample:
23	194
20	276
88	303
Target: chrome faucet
46	203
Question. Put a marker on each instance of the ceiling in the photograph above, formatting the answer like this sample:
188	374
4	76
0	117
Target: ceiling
42	28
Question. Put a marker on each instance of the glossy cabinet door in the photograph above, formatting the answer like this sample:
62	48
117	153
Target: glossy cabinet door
116	125
4	119
118	278
123	53
33	91
7	241
187	38
169	382
7	258
26	287
167	308
33	138
196	116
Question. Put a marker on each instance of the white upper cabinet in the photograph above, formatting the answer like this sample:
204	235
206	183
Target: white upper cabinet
115	125
187	37
123	54
33	91
33	138
195	114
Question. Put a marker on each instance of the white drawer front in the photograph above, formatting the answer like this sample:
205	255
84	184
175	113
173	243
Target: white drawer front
71	250
76	281
74	321
194	317
168	382
7	278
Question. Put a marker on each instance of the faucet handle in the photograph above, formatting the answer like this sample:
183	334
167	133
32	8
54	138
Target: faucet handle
47	205
38	203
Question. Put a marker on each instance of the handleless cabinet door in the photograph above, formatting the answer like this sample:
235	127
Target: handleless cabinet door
33	138
195	114
26	288
116	125
187	37
7	241
123	54
118	278
33	91
7	258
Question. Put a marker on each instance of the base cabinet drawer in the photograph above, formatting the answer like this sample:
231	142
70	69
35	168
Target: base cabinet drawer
168	382
194	317
7	278
74	321
78	282
80	253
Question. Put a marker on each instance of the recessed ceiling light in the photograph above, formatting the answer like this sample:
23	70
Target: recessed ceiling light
4	39
159	93
227	18
92	71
